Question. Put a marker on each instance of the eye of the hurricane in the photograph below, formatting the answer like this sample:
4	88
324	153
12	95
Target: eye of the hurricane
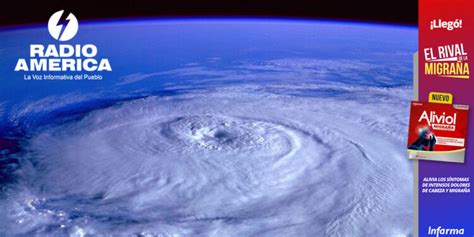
213	138
227	134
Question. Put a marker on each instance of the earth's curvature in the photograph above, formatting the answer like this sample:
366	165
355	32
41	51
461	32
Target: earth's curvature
218	127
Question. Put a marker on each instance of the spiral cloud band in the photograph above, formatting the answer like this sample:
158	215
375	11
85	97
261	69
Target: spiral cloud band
224	161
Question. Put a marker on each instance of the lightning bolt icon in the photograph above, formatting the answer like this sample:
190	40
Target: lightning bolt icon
63	25
63	22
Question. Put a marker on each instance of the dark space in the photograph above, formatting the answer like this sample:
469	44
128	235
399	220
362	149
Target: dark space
395	12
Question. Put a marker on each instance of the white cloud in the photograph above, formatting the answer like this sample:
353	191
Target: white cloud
296	70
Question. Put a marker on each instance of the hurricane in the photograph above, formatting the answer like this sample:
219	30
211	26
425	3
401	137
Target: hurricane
268	148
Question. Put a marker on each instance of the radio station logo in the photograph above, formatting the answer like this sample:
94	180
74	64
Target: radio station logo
63	30
69	59
447	61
